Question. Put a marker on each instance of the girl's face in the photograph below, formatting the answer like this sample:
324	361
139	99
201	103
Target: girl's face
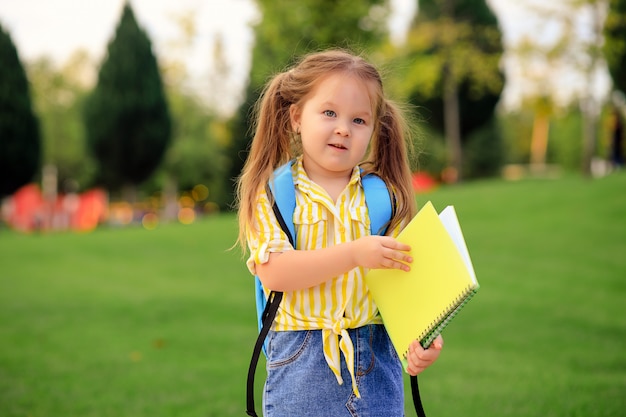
336	122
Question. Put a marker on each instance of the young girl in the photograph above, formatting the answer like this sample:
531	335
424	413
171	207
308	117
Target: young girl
327	113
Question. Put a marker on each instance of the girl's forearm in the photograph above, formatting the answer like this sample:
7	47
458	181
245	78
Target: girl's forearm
299	269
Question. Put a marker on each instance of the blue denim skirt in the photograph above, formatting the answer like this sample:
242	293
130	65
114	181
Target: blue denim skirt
300	383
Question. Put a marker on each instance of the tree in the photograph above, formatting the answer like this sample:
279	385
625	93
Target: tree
451	68
287	30
589	104
615	44
565	45
20	142
199	131
58	94
127	120
535	59
196	154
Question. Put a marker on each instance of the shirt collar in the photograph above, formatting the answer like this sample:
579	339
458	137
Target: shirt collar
303	181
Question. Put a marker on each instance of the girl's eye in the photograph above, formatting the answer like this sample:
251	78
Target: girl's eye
329	113
359	121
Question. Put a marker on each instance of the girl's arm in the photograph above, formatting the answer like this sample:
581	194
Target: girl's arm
299	269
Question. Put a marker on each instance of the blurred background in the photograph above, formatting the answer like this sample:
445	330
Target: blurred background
138	111
130	120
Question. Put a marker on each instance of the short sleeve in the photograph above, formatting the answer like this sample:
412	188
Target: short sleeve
264	236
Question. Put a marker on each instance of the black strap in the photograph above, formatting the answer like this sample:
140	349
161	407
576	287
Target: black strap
269	313
267	318
417	400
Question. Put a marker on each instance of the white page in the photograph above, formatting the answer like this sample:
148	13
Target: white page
451	223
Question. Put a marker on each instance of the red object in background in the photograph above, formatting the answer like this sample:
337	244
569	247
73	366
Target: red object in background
26	210
423	182
92	209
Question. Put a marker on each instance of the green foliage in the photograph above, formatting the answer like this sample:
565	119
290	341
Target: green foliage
242	132
131	322
431	155
564	149
485	151
196	155
449	70
615	43
59	98
127	119
289	29
464	40
20	143
516	128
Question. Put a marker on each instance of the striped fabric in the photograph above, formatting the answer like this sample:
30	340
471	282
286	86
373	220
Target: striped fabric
335	305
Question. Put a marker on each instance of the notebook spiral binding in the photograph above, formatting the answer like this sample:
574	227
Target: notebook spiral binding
437	326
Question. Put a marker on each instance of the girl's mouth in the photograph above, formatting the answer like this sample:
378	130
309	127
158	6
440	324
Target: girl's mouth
338	146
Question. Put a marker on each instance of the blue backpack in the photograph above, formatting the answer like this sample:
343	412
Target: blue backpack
380	205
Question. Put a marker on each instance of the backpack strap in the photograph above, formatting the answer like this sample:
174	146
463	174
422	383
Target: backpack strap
284	202
380	203
268	315
266	318
417	400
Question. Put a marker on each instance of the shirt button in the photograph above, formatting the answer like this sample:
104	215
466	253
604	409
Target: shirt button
342	229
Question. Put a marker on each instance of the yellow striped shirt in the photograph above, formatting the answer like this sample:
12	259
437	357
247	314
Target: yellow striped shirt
341	303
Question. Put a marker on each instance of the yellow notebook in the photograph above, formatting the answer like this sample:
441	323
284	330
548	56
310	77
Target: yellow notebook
420	303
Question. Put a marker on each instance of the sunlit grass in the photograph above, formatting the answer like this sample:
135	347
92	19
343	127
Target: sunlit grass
135	322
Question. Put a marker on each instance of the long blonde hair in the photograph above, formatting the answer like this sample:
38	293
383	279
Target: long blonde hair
274	141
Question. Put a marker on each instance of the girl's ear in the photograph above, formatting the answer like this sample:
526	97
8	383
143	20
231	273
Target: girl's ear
294	117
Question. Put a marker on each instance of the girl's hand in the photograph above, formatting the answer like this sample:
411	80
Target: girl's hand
420	358
381	252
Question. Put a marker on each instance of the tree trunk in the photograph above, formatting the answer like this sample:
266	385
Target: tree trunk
590	122
452	128
170	199
539	142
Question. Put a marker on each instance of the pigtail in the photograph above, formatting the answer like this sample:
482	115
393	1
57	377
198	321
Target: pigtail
389	158
271	146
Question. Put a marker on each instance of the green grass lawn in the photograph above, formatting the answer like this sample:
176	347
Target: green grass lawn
131	322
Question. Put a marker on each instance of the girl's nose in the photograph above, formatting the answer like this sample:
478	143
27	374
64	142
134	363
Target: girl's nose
342	129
